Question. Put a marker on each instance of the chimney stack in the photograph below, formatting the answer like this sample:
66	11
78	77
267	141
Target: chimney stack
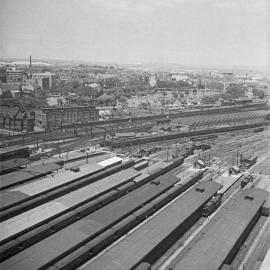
30	61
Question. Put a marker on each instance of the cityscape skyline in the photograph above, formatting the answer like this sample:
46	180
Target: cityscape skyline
182	32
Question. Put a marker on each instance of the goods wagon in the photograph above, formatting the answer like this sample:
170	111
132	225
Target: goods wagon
13	152
147	243
31	202
88	229
206	137
158	138
256	130
191	179
141	165
128	223
225	235
74	213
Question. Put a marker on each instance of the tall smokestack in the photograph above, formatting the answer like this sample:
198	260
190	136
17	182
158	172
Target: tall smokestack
30	61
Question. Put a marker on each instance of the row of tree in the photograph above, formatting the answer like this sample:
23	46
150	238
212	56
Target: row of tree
25	102
233	91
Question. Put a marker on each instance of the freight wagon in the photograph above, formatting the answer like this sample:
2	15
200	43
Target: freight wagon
36	200
76	207
93	231
141	248
13	152
141	165
206	137
77	258
158	138
223	237
256	130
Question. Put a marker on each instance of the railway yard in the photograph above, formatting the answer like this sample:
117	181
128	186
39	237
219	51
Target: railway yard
196	199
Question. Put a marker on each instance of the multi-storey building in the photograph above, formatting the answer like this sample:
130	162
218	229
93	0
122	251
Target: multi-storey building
13	75
45	80
55	117
3	74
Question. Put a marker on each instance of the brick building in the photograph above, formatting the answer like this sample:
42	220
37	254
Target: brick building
17	119
53	117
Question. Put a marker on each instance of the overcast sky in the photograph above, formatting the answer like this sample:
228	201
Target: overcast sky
204	32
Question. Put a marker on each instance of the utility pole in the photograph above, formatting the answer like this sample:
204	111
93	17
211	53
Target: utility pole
237	153
37	141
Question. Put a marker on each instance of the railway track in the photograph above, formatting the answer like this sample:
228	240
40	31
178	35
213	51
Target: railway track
79	253
170	255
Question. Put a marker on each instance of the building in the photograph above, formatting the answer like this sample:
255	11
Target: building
152	80
13	75
17	119
3	74
110	82
45	80
54	117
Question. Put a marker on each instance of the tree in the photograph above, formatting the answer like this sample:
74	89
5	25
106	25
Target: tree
208	99
236	90
258	92
6	94
7	100
175	94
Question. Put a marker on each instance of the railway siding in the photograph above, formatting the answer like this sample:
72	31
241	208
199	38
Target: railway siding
153	237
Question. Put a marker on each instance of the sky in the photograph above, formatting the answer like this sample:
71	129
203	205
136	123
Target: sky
187	32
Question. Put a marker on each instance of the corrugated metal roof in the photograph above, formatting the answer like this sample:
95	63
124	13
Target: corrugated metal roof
132	249
219	236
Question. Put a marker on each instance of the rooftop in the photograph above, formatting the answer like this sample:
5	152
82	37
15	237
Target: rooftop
132	249
219	237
